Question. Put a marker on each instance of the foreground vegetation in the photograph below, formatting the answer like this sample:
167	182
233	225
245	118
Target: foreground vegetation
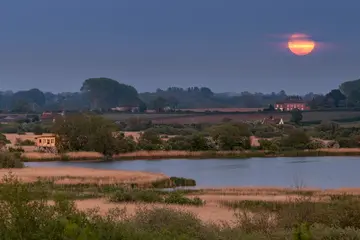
46	210
27	214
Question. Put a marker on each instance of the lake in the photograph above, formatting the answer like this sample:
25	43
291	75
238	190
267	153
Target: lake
320	172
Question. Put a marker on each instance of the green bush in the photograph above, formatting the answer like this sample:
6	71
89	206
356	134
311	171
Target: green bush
124	195
152	196
9	160
179	198
26	142
183	182
16	149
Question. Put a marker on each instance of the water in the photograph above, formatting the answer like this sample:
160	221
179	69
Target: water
321	172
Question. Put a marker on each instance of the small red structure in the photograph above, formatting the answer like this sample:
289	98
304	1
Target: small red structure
291	103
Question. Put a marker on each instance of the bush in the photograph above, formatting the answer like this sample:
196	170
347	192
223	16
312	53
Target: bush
179	198
38	130
183	182
26	142
315	144
8	160
16	149
9	128
350	142
269	145
296	139
124	195
152	196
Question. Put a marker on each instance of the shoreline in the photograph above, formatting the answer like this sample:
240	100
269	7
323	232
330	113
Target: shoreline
156	155
80	175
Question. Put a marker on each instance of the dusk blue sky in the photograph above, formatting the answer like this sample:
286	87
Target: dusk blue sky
227	45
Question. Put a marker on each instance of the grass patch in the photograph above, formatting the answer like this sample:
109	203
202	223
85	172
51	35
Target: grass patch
153	196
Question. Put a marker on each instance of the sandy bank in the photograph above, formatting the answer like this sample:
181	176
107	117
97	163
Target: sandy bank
211	212
73	175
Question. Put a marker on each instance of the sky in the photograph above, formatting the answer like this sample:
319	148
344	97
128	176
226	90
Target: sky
227	45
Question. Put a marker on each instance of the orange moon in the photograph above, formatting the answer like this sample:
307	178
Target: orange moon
301	44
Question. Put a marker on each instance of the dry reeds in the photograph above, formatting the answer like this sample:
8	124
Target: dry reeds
67	175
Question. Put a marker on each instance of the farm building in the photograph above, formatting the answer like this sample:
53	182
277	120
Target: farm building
291	103
46	143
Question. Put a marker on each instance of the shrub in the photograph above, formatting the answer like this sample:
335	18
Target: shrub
8	160
297	139
349	142
26	142
183	182
152	196
179	198
16	149
315	144
269	145
38	130
125	195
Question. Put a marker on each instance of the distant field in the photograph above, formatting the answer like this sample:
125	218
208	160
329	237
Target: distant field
313	116
221	109
215	118
150	116
202	117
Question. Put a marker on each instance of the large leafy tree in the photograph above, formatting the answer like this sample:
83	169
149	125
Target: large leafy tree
23	101
105	93
231	136
348	87
336	95
80	132
296	116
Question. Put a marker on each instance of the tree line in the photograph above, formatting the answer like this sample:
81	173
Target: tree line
90	132
104	93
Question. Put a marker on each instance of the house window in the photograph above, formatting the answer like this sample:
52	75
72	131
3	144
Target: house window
52	141
39	140
48	141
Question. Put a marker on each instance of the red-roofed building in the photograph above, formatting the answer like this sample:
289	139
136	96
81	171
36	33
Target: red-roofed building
291	103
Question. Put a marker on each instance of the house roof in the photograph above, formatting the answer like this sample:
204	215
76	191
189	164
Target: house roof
291	101
45	136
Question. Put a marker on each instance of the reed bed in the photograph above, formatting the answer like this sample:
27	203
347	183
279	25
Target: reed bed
94	156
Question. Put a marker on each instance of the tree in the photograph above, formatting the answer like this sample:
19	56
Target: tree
159	104
142	107
105	93
317	102
32	96
230	136
348	87
82	132
199	142
297	139
150	140
296	116
336	96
